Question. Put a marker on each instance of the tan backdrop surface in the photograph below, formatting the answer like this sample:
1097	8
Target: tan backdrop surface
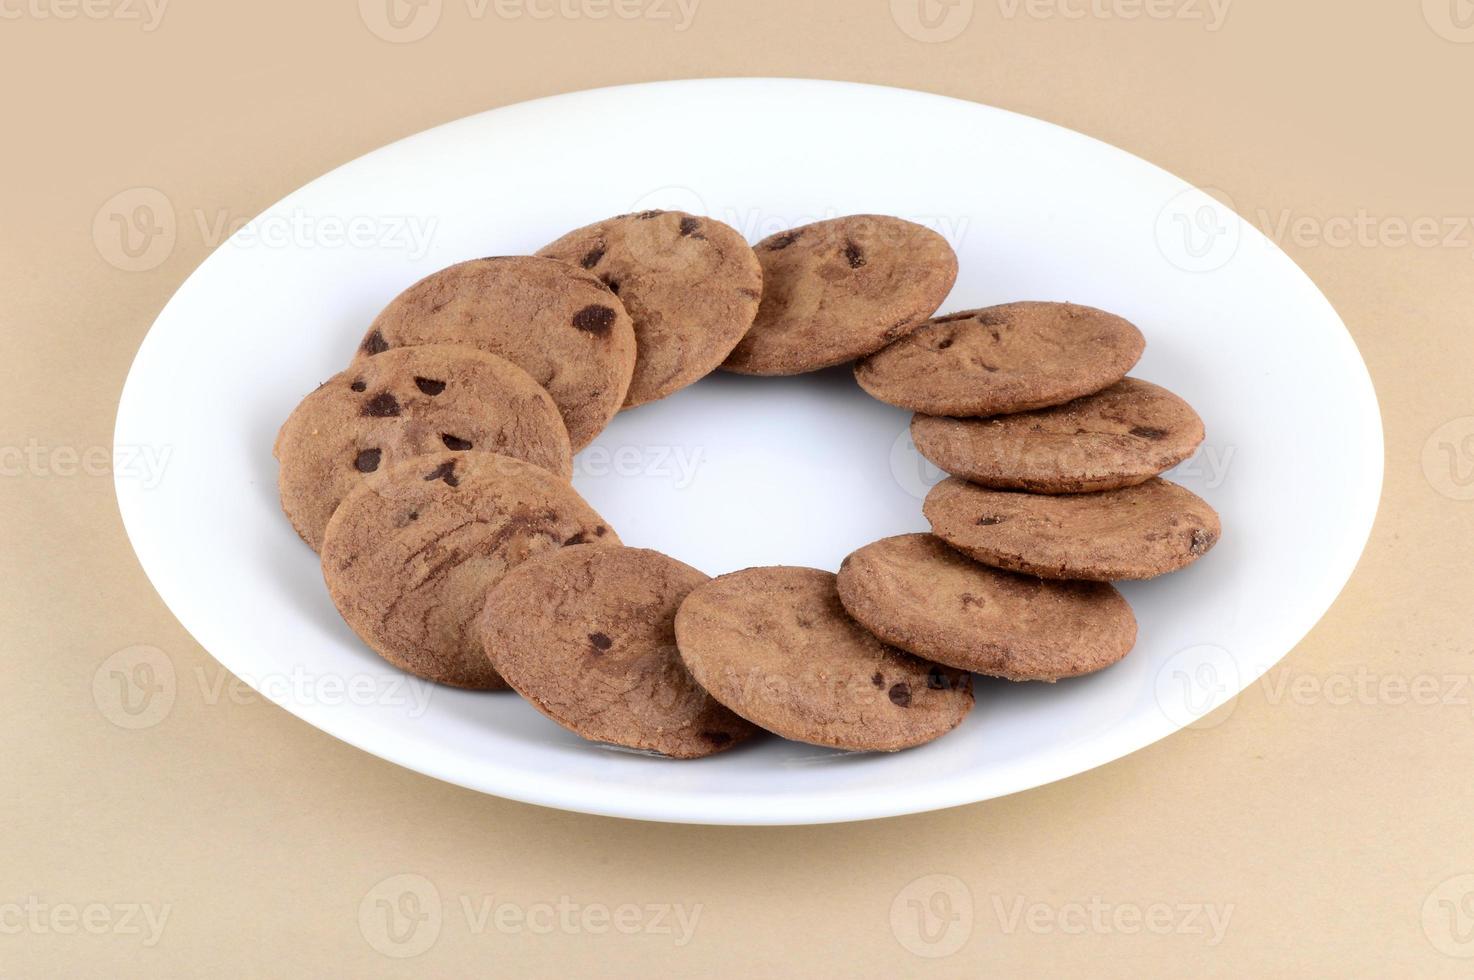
1320	824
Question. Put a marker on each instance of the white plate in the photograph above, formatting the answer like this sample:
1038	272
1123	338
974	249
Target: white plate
797	471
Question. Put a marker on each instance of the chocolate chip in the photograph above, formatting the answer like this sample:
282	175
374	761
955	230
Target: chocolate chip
381	406
445	471
600	642
367	461
853	254
689	225
600	531
358	385
576	539
414	515
454	443
1147	432
878	680
989	521
430	386
647	215
945	342
594	319
783	241
900	694
592	258
1202	541
613	284
374	343
717	738
936	680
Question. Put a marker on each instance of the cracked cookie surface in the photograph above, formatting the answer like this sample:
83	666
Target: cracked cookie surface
691	285
555	321
404	403
1137	532
412	552
840	289
776	646
587	635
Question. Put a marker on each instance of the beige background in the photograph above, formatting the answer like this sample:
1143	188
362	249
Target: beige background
1325	812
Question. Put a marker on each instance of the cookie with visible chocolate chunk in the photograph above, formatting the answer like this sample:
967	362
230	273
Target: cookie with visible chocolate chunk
1011	358
555	321
404	403
1124	435
412	551
776	646
1136	532
587	636
691	285
840	289
916	593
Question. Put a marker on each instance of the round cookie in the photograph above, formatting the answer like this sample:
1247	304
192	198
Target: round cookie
406	403
1124	435
1136	532
776	646
840	289
1003	359
587	636
691	285
554	321
914	592
413	550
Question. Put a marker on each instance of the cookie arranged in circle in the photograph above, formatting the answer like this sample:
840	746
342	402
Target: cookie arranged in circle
776	646
1136	532
404	403
413	550
1011	358
691	285
557	322
840	289
587	636
1124	435
916	593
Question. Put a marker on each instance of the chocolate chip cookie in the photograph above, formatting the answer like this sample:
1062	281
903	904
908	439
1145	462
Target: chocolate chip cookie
405	403
840	289
1137	532
690	283
587	635
916	593
1124	435
554	321
1011	358
413	550
776	646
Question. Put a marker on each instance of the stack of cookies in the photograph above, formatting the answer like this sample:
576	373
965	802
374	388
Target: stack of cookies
432	476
